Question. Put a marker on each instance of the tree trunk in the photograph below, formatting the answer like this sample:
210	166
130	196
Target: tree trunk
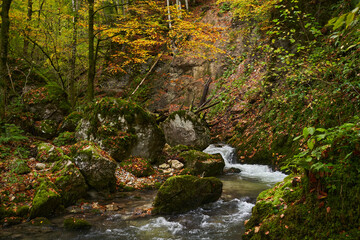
27	28
72	93
4	42
91	55
169	14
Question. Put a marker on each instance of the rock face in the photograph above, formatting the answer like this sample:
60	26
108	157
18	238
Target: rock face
200	163
180	194
97	168
122	128
185	128
46	200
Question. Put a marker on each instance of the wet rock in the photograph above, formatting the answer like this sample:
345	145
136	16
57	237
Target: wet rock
122	128
180	194
200	163
185	128
49	153
46	201
70	181
76	224
96	166
232	170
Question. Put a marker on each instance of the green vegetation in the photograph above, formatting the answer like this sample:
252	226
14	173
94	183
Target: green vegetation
76	224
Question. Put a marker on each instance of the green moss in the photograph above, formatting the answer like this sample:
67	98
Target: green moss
40	221
183	193
46	128
65	138
46	201
202	163
22	211
19	166
76	224
49	153
71	122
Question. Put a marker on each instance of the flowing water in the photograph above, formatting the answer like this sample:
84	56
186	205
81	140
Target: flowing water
223	219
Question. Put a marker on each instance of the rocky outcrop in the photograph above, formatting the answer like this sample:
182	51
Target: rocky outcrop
122	128
180	194
204	164
185	128
96	166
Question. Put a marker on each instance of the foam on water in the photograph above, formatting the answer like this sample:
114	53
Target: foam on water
262	173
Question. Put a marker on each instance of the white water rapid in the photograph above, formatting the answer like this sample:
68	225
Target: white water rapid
261	173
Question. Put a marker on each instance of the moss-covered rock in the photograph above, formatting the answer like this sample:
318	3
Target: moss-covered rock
70	122
19	166
203	163
22	211
65	138
46	128
47	103
46	201
40	221
69	181
122	128
49	153
180	194
186	128
76	224
140	167
96	166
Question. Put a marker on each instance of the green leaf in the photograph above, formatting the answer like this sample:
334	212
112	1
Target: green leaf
297	138
311	143
305	132
339	22
349	19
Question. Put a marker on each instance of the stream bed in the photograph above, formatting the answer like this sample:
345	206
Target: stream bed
223	219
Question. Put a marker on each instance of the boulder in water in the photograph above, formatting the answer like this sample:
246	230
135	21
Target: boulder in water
200	163
180	194
186	128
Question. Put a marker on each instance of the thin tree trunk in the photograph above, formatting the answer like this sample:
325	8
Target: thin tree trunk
187	5
72	92
4	43
91	55
27	29
169	13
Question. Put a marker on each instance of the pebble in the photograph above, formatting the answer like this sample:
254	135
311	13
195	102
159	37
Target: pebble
40	166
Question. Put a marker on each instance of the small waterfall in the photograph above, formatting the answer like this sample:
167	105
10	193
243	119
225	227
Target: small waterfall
261	173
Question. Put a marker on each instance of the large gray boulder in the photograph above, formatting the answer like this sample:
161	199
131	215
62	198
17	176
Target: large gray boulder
186	128
121	128
96	166
180	194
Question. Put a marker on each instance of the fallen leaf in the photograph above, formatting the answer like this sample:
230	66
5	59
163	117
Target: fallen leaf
257	229
282	216
267	233
328	209
286	226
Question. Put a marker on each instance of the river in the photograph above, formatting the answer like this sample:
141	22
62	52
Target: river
223	219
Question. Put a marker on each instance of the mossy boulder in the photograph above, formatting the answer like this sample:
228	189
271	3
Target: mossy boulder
122	128
49	153
47	103
46	128
69	181
76	224
186	128
140	167
70	122
19	166
65	138
180	194
46	201
96	166
200	163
